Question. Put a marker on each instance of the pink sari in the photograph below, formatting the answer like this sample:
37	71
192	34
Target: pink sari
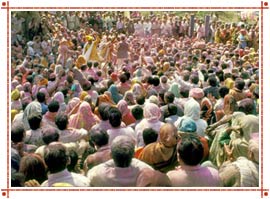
84	118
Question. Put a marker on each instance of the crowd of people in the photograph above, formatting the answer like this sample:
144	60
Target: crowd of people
133	99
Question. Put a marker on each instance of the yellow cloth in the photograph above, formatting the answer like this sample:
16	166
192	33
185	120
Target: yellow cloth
15	95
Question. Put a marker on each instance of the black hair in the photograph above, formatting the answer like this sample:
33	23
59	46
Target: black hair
61	121
190	149
99	137
149	136
41	97
140	99
34	121
223	91
115	117
169	97
137	112
17	133
53	106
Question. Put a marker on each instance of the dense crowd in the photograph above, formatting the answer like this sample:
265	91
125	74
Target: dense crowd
134	99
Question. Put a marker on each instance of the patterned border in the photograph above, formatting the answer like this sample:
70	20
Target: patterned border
5	6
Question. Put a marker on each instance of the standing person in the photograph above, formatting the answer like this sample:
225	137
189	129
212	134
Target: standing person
190	173
122	51
90	50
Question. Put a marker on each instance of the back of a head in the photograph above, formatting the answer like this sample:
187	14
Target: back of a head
194	79
50	135
190	149
246	106
212	81
239	84
223	91
103	110
115	117
122	151
17	133
172	109
56	157
168	135
99	137
169	97
149	136
53	106
61	121
187	125
41	97
137	112
34	121
33	167
140	99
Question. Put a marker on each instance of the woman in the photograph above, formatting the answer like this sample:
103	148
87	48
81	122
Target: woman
129	98
127	116
84	118
152	114
116	96
59	97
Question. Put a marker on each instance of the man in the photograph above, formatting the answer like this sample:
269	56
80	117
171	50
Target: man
190	173
56	159
100	139
123	170
90	48
115	119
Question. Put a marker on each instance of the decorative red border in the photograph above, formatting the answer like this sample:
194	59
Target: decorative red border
5	5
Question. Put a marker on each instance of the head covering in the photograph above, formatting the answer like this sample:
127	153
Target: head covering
43	82
73	106
106	98
115	94
196	93
15	95
153	99
80	61
14	112
230	104
253	146
129	98
84	118
59	97
123	107
34	108
192	109
175	89
83	94
151	111
187	125
89	38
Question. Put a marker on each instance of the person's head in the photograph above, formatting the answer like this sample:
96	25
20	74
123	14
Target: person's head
187	125
123	78
149	136
239	84
137	112
246	106
61	121
34	121
115	117
172	109
189	150
73	160
53	106
212	80
194	79
103	110
33	167
168	135
197	94
122	151
156	81
140	99
17	133
50	134
56	157
223	91
41	97
169	97
99	137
